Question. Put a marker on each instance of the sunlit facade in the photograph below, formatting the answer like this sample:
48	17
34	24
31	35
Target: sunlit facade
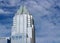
23	27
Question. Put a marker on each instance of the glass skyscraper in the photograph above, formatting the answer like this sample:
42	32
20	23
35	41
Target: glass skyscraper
23	27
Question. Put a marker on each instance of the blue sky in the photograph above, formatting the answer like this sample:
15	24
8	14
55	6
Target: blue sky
46	14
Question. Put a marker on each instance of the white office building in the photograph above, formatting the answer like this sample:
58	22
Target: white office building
23	28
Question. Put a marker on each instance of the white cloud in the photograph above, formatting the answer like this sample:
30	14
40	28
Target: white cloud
5	12
10	3
1	11
47	40
0	0
3	30
41	7
48	33
14	2
38	8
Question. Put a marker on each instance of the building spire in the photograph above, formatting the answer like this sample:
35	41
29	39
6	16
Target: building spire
22	10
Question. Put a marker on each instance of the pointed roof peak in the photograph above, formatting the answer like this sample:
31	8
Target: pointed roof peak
22	10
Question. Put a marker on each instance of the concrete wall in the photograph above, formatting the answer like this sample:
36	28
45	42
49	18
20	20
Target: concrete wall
3	40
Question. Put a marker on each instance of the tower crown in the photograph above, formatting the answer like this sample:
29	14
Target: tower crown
22	10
